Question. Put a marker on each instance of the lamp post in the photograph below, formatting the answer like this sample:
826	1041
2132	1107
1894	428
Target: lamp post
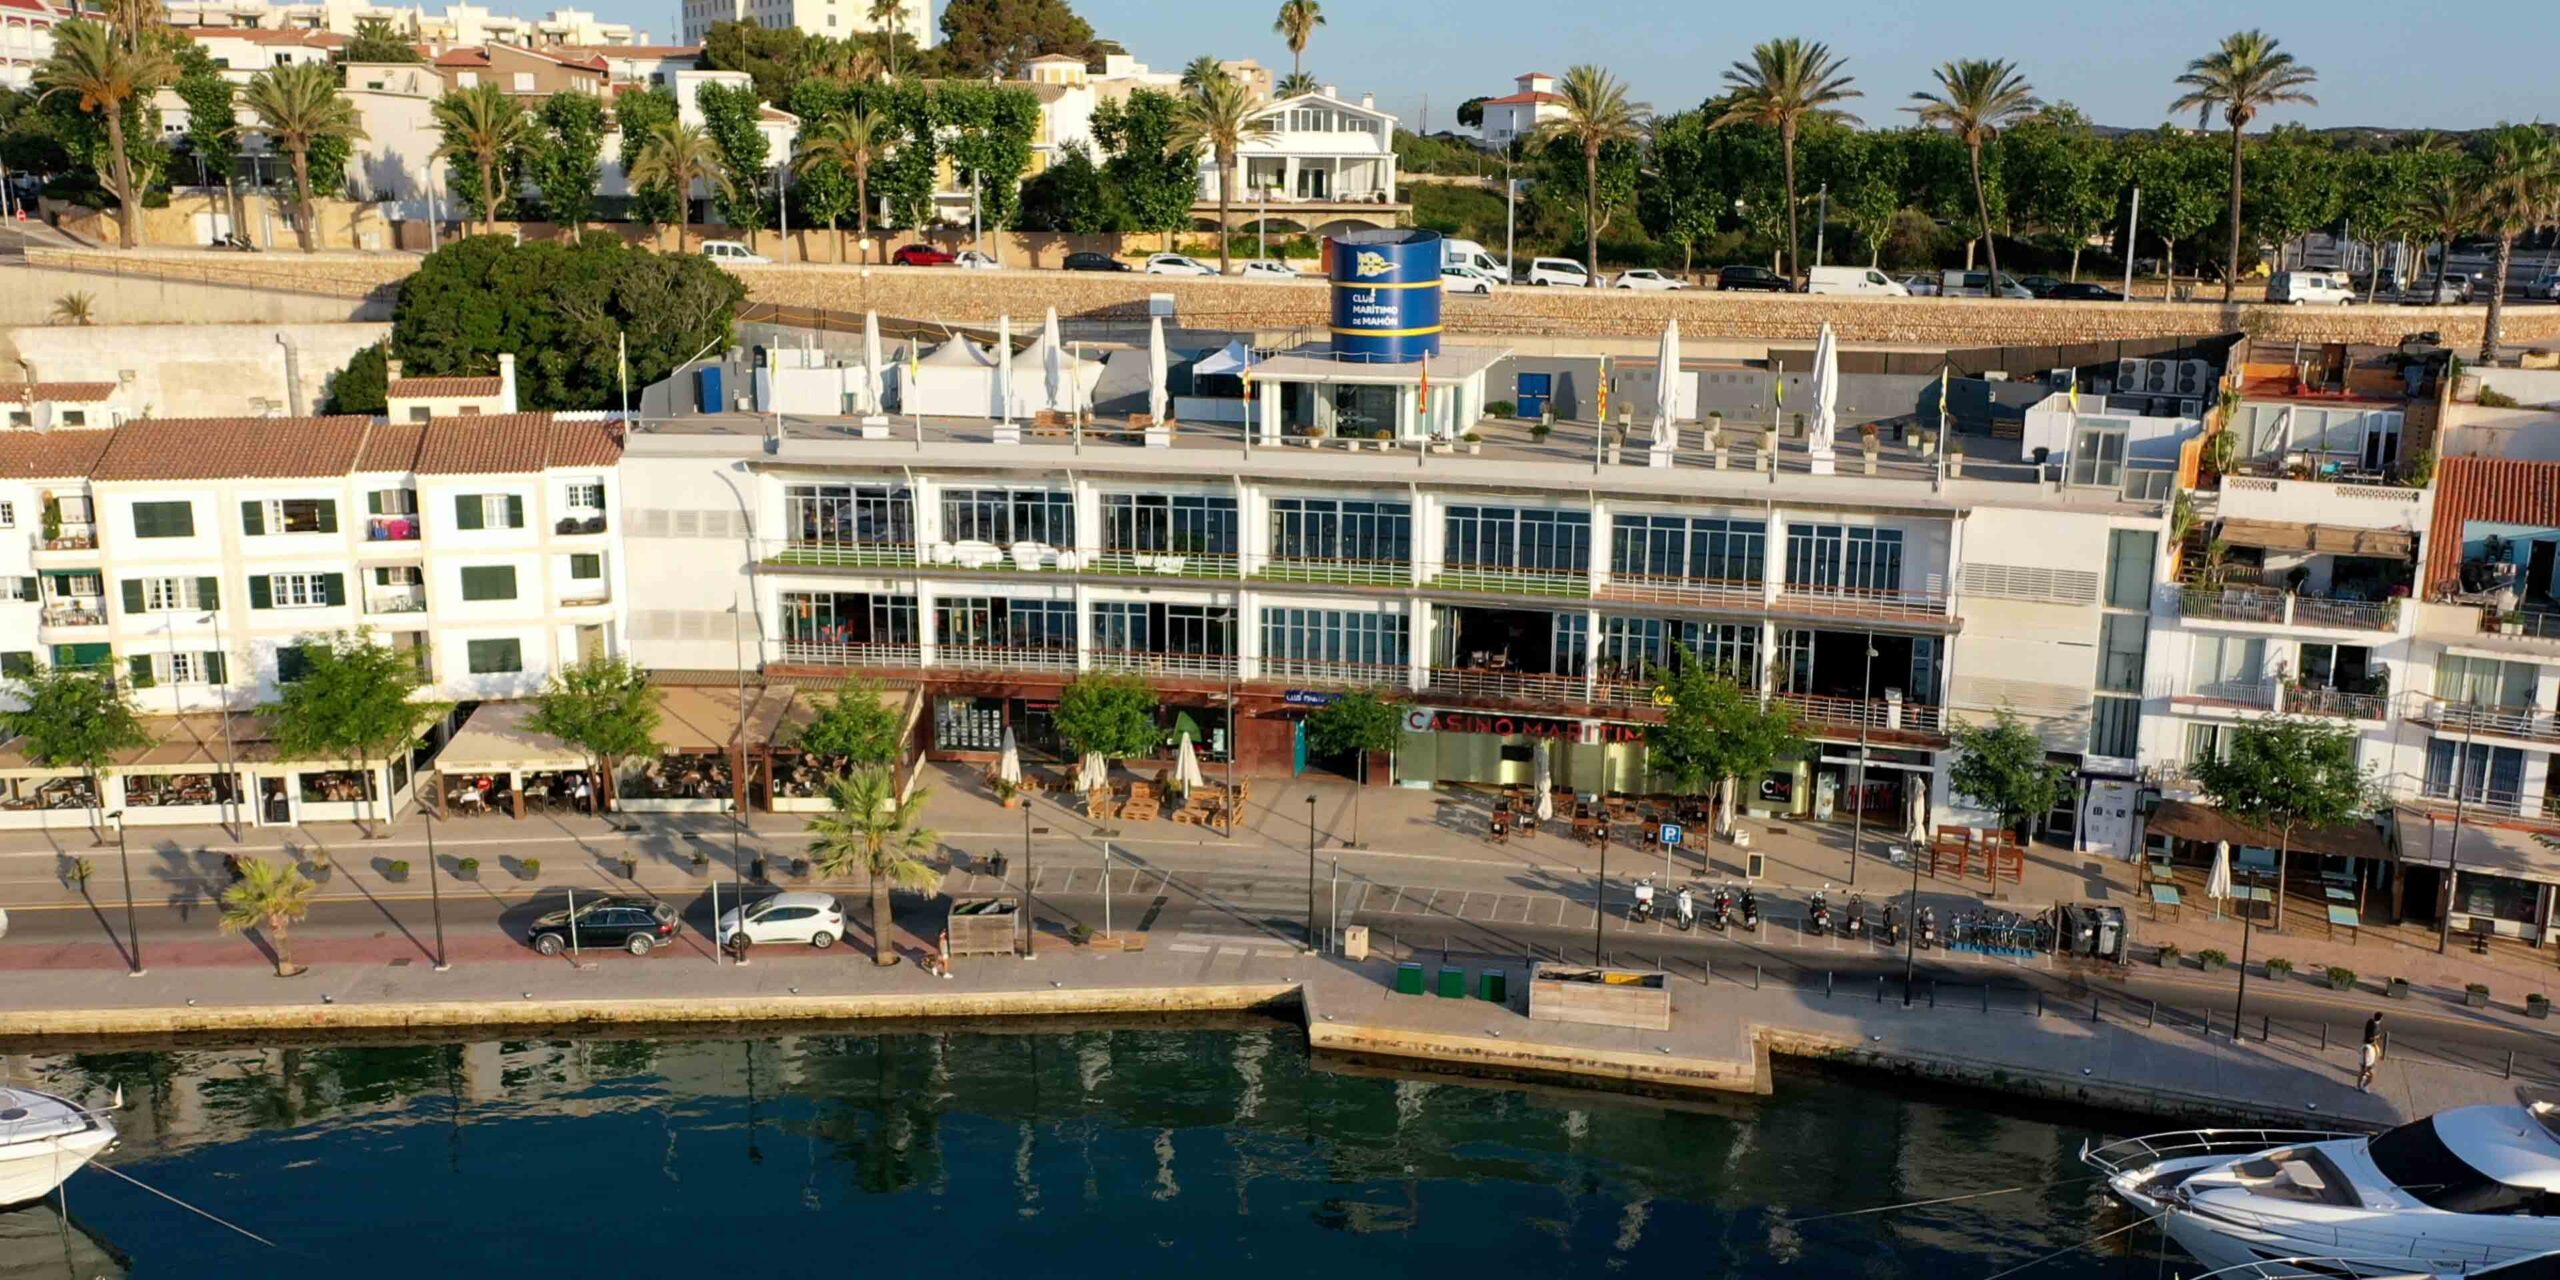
132	931
435	891
1600	890
1911	932
2453	851
2241	999
1820	220
1311	873
1858	781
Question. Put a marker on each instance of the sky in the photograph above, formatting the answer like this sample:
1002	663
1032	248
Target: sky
2381	62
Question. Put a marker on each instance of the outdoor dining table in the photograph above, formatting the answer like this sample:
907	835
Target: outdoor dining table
2163	895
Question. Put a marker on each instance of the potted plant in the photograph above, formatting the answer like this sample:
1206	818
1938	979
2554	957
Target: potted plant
2167	956
755	868
701	862
397	869
78	873
1711	432
1541	429
1926	442
630	867
1955	458
2279	969
467	868
2341	978
1081	934
2537	1005
1500	408
1475	443
2396	989
2211	960
1008	793
2475	995
529	868
800	868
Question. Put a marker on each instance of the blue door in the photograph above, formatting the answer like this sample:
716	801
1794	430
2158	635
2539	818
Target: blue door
1298	748
1533	392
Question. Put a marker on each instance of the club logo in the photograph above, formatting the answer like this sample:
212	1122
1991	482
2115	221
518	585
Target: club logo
1371	264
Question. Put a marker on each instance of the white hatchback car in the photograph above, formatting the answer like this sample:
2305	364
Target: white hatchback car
1460	279
1647	279
813	918
972	260
732	252
1175	264
1267	269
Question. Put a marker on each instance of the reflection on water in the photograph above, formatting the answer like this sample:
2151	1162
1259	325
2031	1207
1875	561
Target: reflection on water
1098	1152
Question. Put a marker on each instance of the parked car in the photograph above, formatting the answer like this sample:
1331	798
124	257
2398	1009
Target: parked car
636	925
1563	272
1454	279
2040	286
1267	269
972	260
1648	280
2307	288
2458	285
813	918
1088	260
1922	285
1854	280
1741	278
732	253
2082	291
1174	264
2547	288
921	255
1977	284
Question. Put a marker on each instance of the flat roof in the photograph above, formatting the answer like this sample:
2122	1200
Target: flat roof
1318	362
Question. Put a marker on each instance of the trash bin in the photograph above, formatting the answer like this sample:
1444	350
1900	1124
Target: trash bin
1493	985
1409	978
1355	942
1453	983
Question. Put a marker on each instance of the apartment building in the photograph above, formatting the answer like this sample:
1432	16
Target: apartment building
835	19
1532	102
26	38
460	24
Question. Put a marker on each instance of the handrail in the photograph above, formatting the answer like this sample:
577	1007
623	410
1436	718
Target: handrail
2149	1149
1871	713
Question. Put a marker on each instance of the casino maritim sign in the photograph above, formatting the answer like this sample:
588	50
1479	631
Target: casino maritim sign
1386	295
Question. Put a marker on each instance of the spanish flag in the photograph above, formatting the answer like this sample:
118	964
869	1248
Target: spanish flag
1426	384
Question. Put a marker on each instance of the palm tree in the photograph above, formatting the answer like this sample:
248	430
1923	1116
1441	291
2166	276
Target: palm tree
1218	114
853	143
1202	70
273	896
1296	84
886	16
75	307
2245	76
131	18
874	830
482	126
677	155
845	61
2520	192
2446	210
1596	113
1298	22
106	75
297	104
1786	83
1976	98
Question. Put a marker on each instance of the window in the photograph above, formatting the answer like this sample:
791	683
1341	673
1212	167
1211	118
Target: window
974	621
489	582
163	595
495	657
391	502
2121	637
2097	453
2417	1161
75	417
289	515
2485	682
488	511
181	668
2130	555
1832	557
18	665
164	520
293	662
834	618
1330	529
524	82
583	495
399	575
2115	726
1007	516
1183	525
1194	629
1330	635
1630	648
27	589
1503	538
8	515
586	567
850	513
1709	549
297	590
2492	777
2226	664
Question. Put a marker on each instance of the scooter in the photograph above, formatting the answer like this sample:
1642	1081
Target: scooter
1818	920
1929	927
1643	908
1892	924
1751	910
1723	917
1853	925
1685	909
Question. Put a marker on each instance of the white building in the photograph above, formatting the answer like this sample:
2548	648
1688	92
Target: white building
243	52
1518	114
26	39
833	18
1326	165
460	24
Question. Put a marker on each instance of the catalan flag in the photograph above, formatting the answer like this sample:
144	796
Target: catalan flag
1944	372
1426	385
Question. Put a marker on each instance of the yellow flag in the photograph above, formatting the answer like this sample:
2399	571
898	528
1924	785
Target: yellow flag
1782	387
1944	371
2075	393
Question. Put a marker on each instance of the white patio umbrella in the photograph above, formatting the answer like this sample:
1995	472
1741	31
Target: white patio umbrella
1009	764
1157	375
1004	368
1546	783
1825	422
1053	358
1666	392
873	379
2217	882
1919	815
1186	766
1092	774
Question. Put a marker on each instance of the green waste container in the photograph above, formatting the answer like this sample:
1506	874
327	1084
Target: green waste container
1494	985
1453	983
1409	978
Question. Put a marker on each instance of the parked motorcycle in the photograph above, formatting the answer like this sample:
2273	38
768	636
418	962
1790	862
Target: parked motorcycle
1723	917
1751	910
1685	910
1892	924
1642	909
1853	922
1928	927
1818	913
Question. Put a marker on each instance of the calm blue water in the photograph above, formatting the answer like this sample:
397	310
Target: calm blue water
1222	1153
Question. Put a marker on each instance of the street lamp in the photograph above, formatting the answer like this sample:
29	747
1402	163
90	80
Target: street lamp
1858	784
1311	873
132	931
1600	889
435	890
2246	913
1911	931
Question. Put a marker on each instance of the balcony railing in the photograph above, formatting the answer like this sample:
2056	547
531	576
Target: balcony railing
2528	723
2232	603
847	555
396	600
2529	624
1143	662
2312	700
75	613
985	657
2357	615
1511	686
1858	602
392	528
70	537
1505	580
818	653
1354	675
1867	713
2471	799
1713	593
1170	564
585	597
1323	571
2240	602
2256	695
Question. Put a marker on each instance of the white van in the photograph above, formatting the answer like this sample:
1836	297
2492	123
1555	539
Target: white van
1469	254
1977	284
1556	271
2305	288
730	251
1865	280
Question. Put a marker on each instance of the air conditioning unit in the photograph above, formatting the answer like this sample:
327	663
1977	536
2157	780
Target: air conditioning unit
2191	408
2158	407
2103	386
2193	376
2163	375
2131	378
2059	378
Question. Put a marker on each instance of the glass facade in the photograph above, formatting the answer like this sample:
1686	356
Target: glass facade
849	513
847	617
1697	547
997	622
1331	635
1507	538
1336	529
1830	557
1157	523
1008	516
1132	627
1630	648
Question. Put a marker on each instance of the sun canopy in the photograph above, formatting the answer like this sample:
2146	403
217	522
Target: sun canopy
1229	361
2320	539
2185	820
496	739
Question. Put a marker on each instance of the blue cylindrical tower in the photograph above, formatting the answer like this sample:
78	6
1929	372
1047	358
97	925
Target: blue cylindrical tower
1386	295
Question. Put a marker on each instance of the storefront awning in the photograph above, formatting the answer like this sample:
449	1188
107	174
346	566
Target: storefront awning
2429	839
2321	539
496	740
2186	820
179	744
700	719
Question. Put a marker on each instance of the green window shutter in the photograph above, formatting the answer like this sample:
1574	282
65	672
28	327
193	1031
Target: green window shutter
253	518
261	592
29	589
489	582
466	511
140	667
133	595
515	512
586	567
208	593
217	668
333	588
329	516
373	503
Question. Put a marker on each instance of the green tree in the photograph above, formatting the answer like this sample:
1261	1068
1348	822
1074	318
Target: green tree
773	57
870	828
272	895
1560	198
106	76
637	116
1786	83
2522	192
73	718
1295	26
210	115
1870	193
2293	189
854	728
2178	176
1683	203
364	385
1361	723
674	158
605	707
986	133
2001	766
1218	116
848	147
1113	716
732	119
297	104
1471	112
2284	776
984	39
1596	113
2070	176
1071	195
1714	730
1975	99
1157	180
566	156
886	17
376	40
2377	196
356	703
2446	210
2245	76
484	128
1296	84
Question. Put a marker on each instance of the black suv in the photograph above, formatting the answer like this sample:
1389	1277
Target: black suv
634	924
1087	260
1756	279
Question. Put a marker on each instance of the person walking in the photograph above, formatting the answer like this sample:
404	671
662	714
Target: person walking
2372	1053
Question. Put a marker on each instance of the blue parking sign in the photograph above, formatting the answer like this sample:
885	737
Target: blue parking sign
1671	833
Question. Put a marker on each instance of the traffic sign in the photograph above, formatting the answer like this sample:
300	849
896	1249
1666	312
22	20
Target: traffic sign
1671	833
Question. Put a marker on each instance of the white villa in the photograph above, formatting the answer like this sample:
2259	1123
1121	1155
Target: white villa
1329	161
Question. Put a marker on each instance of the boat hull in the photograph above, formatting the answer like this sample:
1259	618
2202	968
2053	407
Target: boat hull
29	1171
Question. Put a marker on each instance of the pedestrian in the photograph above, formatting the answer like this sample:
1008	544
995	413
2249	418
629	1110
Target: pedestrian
2371	1054
942	954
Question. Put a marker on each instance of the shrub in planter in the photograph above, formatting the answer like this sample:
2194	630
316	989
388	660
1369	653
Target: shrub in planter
396	869
530	868
2537	1005
701	860
1500	408
2397	989
2341	978
2475	995
1472	437
2279	968
800	868
1541	431
467	868
2210	960
2168	954
1081	934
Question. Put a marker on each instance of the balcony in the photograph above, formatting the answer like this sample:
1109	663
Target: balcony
586	597
1340	675
1873	715
819	653
2528	724
2313	700
76	611
392	529
1221	666
1708	593
2230	695
1572	584
70	536
2245	603
1514	688
395	600
578	523
1864	604
1327	571
988	657
846	555
1169	564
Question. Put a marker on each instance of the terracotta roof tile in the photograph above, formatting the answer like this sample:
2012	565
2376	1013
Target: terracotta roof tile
72	392
264	35
51	455
232	448
633	50
2499	489
514	442
463	58
443	388
392	446
1518	99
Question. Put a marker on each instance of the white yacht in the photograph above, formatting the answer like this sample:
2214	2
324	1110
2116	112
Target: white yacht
2457	1193
2540	1266
43	1140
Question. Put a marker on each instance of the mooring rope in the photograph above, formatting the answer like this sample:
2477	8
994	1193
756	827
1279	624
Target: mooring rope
184	1205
